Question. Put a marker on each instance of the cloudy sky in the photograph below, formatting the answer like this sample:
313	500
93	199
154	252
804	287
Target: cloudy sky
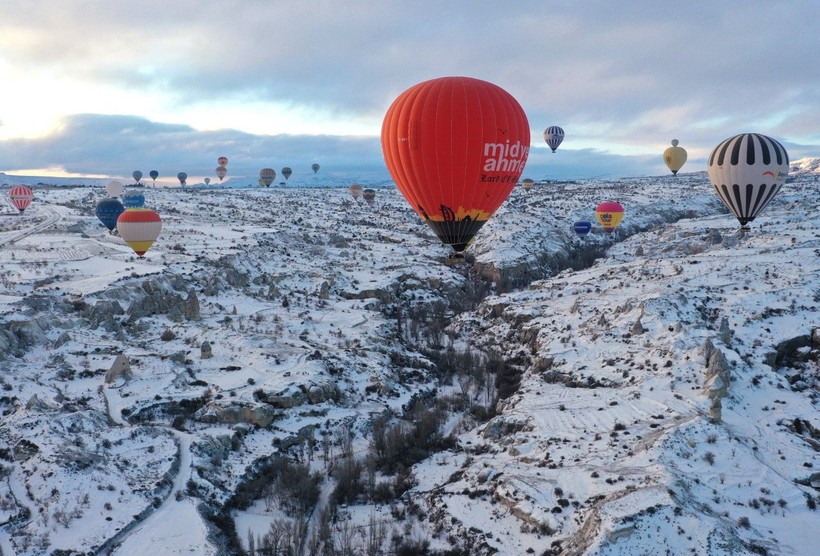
104	87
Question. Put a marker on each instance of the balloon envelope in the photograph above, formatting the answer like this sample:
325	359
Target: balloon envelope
114	188
207	181
133	199
139	228
137	175
582	227
154	174
455	146
21	197
108	210
355	190
222	161
369	195
182	176
609	214
286	171
553	135
314	167
221	172
527	184
267	175
747	171
674	157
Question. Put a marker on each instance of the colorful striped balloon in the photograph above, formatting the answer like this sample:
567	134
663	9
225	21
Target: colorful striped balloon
21	197
139	228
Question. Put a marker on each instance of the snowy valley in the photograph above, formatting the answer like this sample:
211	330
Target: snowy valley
292	371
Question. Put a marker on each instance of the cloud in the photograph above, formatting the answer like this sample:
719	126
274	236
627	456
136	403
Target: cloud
117	145
621	78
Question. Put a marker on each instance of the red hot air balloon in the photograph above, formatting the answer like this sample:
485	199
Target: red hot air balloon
222	161
21	197
455	146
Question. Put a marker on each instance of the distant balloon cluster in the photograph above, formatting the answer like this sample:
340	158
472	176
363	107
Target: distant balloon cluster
221	171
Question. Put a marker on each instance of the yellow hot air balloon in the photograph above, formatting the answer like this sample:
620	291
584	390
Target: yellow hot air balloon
675	157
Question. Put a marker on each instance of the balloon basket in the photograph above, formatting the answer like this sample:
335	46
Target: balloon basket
455	259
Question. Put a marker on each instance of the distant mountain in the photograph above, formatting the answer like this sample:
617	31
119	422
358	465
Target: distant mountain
241	182
7	180
808	165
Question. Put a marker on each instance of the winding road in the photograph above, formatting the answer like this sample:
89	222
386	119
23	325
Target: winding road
52	217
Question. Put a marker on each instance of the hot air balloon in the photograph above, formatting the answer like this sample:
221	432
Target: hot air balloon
286	171
132	199
355	190
207	181
267	175
139	228
609	215
222	161
182	176
455	146
369	195
154	175
674	157
747	171
21	197
527	184
221	172
553	135
137	175
108	210
260	182
582	227
114	188
314	167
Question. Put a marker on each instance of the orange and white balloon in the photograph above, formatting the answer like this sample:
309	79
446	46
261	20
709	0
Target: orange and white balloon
139	228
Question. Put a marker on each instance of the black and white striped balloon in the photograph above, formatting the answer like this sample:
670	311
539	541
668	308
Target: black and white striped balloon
747	171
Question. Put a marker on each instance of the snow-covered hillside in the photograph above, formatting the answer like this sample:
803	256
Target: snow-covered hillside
291	367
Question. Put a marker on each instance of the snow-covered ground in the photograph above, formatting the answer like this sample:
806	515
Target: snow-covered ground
653	413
